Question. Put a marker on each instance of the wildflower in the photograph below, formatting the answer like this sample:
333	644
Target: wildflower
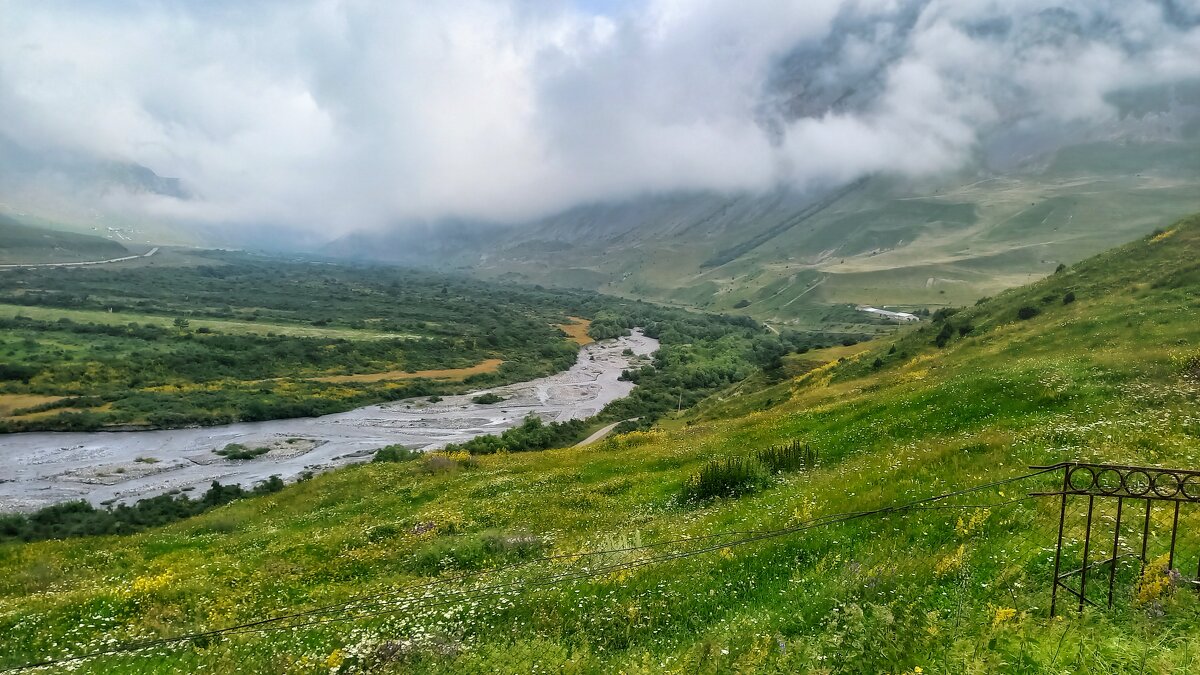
1003	615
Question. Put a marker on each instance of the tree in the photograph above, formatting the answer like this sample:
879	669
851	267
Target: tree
181	323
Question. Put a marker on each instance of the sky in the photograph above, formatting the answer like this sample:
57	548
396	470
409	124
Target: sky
337	115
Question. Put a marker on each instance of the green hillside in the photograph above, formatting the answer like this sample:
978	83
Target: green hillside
589	560
20	243
935	242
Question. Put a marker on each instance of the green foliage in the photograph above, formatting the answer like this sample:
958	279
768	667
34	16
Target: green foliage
239	451
1027	312
1069	297
80	519
476	551
487	398
727	477
396	453
532	434
794	456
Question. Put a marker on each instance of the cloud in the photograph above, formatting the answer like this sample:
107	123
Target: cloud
335	115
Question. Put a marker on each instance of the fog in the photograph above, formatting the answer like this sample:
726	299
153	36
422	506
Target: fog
332	116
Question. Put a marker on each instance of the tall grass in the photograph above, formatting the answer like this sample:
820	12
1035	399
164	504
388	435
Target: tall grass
794	456
735	476
728	477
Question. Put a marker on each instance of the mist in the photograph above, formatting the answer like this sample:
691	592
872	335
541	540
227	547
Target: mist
335	116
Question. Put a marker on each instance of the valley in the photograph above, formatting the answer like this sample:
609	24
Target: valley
910	541
124	466
600	336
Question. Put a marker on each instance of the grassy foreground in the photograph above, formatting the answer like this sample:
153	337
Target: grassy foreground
956	586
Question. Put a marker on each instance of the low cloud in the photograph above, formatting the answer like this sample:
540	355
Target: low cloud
337	115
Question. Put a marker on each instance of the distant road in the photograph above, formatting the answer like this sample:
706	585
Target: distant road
147	254
601	433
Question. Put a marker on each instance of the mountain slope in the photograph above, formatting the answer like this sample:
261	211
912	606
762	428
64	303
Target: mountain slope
740	584
786	257
20	243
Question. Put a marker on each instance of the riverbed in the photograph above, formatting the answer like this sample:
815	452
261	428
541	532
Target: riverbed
42	468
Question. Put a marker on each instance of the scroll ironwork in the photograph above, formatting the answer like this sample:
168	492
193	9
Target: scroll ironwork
1151	486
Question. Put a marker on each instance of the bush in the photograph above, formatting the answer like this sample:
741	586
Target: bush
79	518
395	453
1069	297
239	451
1027	312
487	398
944	335
730	477
533	434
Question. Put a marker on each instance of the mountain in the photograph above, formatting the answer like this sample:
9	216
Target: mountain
1035	195
69	191
590	560
21	243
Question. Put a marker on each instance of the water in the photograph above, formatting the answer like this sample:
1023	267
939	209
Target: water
42	468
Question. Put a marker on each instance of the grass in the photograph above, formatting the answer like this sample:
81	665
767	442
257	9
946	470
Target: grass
12	403
951	590
577	331
230	327
485	366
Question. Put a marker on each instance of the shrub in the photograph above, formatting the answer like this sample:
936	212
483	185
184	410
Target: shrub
730	477
1069	297
395	453
487	398
79	518
944	335
532	434
239	451
1027	312
741	304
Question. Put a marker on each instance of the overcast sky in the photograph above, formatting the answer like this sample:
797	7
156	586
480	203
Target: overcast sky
334	115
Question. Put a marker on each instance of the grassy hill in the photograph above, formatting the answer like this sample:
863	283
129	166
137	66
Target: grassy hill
20	243
935	242
588	560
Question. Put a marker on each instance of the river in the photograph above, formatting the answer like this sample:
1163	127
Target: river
42	468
